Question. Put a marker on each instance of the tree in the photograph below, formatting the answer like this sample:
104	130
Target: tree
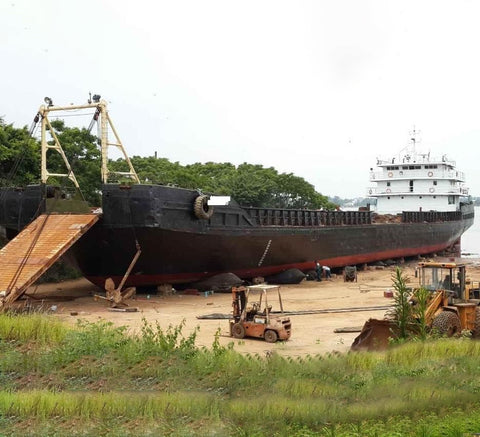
213	177
19	156
253	185
294	192
248	184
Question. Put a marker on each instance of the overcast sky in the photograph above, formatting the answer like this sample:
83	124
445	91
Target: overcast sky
315	88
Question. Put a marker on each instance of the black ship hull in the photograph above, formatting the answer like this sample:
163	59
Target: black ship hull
179	247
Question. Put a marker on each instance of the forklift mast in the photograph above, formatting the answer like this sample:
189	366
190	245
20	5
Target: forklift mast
239	299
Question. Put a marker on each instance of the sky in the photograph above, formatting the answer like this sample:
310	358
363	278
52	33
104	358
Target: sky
319	89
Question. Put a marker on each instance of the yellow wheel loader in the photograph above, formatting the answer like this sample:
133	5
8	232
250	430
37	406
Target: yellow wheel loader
452	306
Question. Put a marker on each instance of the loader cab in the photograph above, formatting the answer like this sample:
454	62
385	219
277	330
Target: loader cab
443	276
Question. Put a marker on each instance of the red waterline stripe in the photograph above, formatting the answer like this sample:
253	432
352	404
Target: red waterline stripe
270	270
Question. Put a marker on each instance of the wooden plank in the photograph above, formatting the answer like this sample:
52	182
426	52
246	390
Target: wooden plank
124	310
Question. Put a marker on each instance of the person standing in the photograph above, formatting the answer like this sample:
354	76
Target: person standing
318	270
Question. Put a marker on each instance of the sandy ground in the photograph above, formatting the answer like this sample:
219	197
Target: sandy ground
311	334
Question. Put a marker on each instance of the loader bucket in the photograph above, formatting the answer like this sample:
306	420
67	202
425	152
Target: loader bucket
375	335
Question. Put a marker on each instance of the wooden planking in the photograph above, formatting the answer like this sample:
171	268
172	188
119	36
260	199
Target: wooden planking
25	258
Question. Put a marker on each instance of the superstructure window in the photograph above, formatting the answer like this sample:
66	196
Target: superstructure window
431	166
392	167
451	200
388	184
434	182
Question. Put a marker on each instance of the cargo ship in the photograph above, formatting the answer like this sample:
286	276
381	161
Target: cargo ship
419	205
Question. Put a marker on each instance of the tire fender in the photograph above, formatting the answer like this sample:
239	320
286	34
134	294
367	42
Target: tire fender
201	208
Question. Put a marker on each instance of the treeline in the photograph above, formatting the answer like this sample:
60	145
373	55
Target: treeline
248	184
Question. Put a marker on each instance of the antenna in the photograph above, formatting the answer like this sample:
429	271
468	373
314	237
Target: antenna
413	138
409	151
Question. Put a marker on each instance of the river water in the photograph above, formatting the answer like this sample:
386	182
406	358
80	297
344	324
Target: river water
471	238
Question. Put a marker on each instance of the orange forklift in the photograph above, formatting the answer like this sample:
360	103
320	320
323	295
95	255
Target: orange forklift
253	317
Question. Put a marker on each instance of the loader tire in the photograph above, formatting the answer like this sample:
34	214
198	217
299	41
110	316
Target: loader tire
447	323
238	330
476	329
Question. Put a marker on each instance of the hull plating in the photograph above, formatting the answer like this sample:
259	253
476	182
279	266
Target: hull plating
173	256
179	247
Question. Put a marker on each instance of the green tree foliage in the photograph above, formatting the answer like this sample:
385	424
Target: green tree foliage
410	308
213	177
248	184
422	298
294	192
254	185
19	156
402	308
150	169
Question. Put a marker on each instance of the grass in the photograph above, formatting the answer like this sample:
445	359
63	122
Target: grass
100	380
35	328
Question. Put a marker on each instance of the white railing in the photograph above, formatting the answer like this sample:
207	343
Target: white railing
417	159
385	191
417	174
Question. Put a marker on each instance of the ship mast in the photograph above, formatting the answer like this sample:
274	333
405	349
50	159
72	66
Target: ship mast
409	152
413	139
101	112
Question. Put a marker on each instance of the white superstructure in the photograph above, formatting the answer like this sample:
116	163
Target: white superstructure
413	181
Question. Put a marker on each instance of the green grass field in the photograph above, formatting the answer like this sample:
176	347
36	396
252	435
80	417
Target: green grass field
100	380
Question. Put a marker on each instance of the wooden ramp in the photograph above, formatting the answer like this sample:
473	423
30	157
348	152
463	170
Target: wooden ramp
25	258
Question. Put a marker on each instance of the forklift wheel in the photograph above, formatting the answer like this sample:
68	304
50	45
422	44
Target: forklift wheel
238	330
270	336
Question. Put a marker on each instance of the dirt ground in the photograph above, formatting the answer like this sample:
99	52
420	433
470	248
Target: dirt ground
311	334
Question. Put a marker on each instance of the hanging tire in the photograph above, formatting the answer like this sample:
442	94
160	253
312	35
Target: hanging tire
447	323
270	336
476	329
238	330
201	208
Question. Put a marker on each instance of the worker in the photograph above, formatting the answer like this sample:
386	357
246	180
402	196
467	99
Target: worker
318	270
327	272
